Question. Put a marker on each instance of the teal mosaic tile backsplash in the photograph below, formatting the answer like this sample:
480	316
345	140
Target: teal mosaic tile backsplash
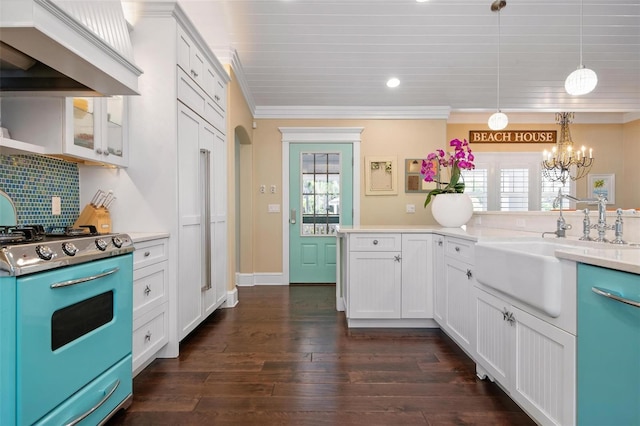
31	181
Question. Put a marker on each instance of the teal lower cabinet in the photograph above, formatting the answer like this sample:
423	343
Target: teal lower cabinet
608	375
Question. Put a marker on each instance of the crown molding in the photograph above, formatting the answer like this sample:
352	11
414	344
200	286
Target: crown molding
630	116
343	112
547	117
238	70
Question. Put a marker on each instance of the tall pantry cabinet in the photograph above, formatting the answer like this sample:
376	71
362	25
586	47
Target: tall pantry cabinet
179	156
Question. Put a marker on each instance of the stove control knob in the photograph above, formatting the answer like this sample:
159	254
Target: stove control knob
101	244
117	241
44	252
70	249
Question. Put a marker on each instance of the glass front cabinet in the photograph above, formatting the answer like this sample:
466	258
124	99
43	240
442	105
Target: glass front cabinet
96	129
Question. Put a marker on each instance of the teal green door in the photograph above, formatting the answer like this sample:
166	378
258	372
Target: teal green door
320	198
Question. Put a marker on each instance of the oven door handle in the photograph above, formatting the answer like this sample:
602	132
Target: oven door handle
95	407
85	279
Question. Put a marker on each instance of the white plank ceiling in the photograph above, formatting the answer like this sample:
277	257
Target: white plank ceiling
340	53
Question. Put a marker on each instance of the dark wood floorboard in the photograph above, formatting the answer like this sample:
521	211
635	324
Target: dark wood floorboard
284	356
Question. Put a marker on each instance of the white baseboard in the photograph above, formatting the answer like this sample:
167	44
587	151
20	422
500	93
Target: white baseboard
264	278
244	280
232	298
391	323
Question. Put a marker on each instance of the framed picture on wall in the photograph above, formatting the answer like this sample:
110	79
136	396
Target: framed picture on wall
602	184
381	175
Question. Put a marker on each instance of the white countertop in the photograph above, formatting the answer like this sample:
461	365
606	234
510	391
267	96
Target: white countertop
470	233
622	258
138	237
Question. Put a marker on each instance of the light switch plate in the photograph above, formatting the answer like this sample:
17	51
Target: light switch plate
274	208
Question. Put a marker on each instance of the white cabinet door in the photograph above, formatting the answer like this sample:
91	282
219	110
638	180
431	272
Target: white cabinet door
207	142
96	129
219	217
494	337
190	261
460	319
190	59
545	365
375	284
417	276
439	281
532	359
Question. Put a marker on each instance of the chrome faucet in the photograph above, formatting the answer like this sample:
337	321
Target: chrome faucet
561	224
602	226
618	229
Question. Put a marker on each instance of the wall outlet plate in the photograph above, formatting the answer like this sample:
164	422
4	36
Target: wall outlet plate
56	206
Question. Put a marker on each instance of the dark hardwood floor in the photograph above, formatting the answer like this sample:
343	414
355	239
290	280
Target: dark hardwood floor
284	356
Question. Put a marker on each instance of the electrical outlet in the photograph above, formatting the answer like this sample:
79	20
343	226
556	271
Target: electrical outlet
411	208
56	206
521	223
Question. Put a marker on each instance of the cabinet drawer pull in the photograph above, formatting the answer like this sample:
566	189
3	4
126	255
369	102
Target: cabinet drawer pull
612	295
397	258
458	249
147	337
440	242
375	242
469	274
147	253
147	290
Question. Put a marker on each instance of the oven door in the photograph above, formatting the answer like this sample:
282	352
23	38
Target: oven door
74	323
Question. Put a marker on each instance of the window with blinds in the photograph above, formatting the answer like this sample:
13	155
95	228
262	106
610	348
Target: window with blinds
475	186
514	190
512	182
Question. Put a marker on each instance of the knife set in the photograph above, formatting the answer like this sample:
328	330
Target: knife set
96	213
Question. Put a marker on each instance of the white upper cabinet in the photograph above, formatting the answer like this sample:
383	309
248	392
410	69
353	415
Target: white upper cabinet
96	129
89	129
195	64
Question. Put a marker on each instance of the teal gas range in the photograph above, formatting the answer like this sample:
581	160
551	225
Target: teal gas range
65	326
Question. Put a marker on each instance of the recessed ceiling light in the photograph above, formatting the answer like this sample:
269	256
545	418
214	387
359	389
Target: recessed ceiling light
422	1
393	82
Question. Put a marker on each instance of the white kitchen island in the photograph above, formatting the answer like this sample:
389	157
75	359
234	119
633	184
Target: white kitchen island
399	276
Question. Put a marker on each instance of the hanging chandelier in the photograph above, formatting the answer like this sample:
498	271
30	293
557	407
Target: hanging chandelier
563	162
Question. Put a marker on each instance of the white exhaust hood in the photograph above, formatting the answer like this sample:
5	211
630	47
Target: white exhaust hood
66	48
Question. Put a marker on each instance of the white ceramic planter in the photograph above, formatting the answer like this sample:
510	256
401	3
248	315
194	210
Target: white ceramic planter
451	210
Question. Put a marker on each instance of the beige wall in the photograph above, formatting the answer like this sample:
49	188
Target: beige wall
239	128
628	185
603	138
402	139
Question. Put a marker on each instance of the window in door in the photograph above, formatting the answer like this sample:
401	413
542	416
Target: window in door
320	193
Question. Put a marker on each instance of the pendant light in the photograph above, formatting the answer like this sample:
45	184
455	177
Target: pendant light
583	80
498	120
